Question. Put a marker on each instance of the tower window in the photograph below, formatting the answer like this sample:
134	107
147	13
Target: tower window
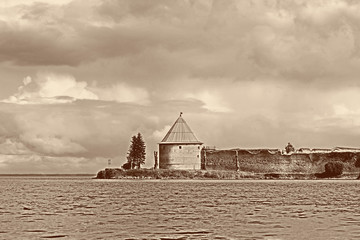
179	147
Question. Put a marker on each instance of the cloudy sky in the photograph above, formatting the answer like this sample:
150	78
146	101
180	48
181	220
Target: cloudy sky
80	77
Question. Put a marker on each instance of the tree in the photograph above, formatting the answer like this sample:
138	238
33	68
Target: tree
332	169
136	154
126	166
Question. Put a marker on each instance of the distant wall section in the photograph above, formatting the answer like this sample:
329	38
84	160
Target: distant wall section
272	160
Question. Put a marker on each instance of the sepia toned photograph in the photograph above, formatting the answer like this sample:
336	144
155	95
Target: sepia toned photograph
180	119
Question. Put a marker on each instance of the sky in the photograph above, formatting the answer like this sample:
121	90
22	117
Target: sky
79	78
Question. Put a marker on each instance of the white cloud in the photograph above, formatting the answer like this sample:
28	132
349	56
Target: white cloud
13	146
26	81
323	12
52	85
33	163
52	145
212	101
9	3
122	92
341	110
160	134
49	88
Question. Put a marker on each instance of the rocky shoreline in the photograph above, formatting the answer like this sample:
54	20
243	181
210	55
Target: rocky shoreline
118	173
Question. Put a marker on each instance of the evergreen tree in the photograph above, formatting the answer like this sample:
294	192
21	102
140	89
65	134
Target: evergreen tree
136	154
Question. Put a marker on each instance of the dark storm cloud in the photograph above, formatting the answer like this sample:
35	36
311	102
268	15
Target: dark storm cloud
305	41
58	35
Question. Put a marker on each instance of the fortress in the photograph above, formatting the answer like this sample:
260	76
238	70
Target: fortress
180	149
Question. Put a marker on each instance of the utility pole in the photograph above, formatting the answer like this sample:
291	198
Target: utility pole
109	163
237	161
156	159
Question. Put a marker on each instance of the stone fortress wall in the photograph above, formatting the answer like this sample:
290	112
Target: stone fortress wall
276	161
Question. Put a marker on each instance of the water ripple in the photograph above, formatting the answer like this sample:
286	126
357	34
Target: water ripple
91	209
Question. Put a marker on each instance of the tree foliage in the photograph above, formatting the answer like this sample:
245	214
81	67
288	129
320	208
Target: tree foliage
136	154
333	169
126	166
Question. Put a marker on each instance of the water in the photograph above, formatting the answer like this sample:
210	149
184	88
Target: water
81	208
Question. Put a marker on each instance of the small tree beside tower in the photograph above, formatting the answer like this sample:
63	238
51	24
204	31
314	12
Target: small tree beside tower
136	154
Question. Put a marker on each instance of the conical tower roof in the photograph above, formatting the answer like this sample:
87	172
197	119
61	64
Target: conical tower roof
180	132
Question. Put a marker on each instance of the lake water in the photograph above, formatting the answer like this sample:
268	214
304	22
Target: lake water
82	208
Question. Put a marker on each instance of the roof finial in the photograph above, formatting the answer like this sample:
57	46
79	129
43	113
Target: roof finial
181	114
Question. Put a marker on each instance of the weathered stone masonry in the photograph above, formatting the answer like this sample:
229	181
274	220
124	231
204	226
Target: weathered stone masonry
272	160
180	149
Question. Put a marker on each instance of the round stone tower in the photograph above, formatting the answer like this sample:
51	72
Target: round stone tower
180	149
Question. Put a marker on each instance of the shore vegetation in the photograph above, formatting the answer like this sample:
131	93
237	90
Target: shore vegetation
118	173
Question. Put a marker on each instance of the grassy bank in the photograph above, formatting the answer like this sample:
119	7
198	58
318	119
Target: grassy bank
117	173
